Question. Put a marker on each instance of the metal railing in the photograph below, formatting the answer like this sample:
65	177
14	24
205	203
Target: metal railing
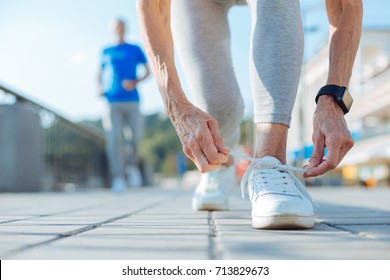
72	155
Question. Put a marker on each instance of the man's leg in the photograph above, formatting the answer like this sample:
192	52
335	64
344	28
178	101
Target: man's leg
279	200
202	38
113	125
134	120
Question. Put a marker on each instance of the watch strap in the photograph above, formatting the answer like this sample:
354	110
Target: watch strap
338	93
328	90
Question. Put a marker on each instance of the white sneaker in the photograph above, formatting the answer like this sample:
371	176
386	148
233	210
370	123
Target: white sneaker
279	200
213	188
134	177
118	185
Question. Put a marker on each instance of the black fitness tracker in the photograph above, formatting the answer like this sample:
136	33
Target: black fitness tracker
341	95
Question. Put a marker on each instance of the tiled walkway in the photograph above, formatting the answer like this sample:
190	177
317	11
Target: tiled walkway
158	223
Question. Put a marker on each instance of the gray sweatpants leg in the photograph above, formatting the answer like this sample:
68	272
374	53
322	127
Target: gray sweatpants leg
122	116
201	34
202	39
275	58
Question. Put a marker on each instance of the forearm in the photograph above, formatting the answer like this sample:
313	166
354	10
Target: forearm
345	18
156	31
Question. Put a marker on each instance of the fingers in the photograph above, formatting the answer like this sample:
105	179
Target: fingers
345	148
205	148
331	159
205	163
201	162
335	153
329	163
210	151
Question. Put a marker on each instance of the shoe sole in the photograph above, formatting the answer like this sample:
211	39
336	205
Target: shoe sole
283	222
210	206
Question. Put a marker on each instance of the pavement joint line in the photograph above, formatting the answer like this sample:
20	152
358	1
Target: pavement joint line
363	234
340	228
210	222
343	227
212	250
84	229
365	224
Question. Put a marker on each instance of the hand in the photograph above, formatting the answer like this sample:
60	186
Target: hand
129	84
199	135
329	130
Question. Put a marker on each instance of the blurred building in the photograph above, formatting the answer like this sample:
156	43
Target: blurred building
368	163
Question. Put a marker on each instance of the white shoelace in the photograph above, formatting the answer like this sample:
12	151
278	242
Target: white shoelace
268	164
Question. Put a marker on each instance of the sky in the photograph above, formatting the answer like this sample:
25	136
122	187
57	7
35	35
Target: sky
50	50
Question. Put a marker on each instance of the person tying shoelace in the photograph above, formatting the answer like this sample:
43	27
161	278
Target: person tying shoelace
199	31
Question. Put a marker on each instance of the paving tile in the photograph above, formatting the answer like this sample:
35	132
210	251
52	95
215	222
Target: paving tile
295	246
156	223
60	253
356	220
53	220
150	230
11	242
351	214
7	219
122	247
243	222
171	221
23	229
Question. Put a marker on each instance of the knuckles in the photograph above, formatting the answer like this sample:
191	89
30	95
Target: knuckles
187	151
332	165
350	142
340	139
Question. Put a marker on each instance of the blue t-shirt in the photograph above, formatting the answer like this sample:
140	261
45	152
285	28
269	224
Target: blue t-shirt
120	63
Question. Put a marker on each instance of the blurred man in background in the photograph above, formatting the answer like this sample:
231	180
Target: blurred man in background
117	82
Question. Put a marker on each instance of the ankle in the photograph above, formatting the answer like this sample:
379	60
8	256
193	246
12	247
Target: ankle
271	140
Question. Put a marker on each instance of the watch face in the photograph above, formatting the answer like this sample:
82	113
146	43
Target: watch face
347	99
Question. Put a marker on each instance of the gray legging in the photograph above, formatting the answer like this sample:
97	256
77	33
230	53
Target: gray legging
202	38
122	117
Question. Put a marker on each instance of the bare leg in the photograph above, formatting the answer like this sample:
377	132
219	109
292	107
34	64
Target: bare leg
271	140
